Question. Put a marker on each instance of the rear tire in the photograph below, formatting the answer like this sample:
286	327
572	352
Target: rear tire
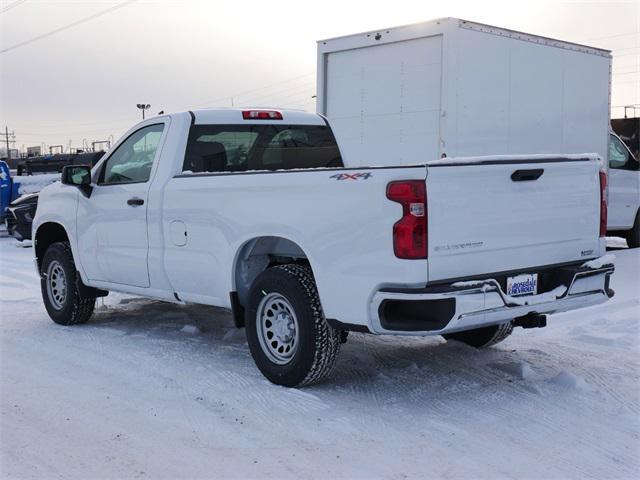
289	338
482	337
633	235
59	284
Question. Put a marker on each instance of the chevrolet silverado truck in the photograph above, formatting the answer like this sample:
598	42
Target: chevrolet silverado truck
256	212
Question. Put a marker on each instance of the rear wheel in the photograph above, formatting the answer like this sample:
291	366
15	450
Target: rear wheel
633	235
59	284
290	340
482	337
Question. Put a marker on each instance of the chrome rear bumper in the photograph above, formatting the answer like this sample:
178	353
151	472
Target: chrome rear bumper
467	305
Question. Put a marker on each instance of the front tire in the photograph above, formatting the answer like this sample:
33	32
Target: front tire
482	337
289	338
633	235
59	284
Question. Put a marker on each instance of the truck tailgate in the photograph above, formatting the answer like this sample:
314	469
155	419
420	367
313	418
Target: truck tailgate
493	216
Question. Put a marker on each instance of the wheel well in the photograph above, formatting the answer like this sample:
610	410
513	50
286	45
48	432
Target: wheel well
261	253
47	234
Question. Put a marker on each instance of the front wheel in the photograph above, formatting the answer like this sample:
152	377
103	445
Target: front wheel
59	284
482	337
290	340
633	235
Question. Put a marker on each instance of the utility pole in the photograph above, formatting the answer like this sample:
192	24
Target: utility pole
6	135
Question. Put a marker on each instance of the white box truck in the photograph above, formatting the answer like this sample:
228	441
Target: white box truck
456	88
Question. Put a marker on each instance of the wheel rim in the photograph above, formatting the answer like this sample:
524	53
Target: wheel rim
56	285
277	327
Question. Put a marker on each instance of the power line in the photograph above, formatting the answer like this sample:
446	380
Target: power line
227	97
284	93
11	5
70	25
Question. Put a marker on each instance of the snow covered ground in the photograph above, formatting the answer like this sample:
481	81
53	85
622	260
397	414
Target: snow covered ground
140	392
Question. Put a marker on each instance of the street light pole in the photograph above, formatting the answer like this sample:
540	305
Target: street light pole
143	107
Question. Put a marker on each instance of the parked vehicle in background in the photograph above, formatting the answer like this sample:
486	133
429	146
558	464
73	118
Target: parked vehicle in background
19	198
55	162
624	192
628	129
20	215
6	189
253	210
12	187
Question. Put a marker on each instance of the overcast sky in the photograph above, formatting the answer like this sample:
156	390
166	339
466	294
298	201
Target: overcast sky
84	82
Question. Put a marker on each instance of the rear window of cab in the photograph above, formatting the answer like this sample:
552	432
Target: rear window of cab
240	148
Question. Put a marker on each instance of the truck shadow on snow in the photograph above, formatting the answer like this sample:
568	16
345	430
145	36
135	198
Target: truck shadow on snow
408	370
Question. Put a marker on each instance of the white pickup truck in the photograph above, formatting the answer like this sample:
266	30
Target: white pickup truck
253	210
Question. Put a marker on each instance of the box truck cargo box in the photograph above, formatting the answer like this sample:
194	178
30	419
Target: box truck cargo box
456	88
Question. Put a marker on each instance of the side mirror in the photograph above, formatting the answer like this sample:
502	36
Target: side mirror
78	176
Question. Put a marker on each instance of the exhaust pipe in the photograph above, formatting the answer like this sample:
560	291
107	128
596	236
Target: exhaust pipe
531	320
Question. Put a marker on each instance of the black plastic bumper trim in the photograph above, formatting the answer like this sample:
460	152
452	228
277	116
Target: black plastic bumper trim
416	315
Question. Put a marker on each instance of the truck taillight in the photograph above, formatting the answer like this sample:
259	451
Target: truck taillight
603	204
410	232
261	115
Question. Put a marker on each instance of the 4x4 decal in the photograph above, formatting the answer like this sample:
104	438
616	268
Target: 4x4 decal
352	176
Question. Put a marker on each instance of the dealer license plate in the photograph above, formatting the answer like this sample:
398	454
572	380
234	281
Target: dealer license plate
525	284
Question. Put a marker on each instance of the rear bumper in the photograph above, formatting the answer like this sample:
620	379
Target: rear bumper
467	305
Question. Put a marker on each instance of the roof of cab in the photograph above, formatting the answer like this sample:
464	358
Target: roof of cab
234	116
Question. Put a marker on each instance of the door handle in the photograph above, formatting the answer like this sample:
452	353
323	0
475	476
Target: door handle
135	202
527	175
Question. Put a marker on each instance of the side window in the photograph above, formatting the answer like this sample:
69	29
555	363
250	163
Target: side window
131	162
618	154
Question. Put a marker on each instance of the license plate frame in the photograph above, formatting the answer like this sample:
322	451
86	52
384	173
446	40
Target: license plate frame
522	284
